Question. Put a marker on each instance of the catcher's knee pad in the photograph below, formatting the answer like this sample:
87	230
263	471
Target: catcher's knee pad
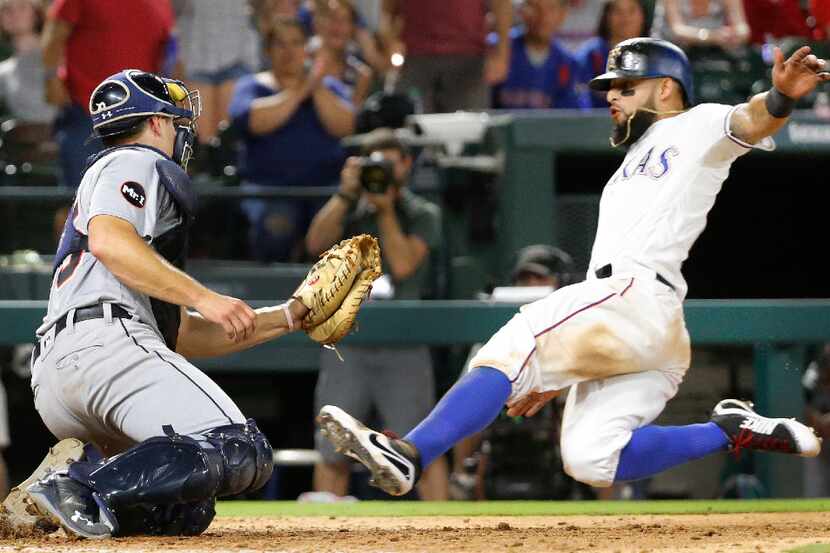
247	457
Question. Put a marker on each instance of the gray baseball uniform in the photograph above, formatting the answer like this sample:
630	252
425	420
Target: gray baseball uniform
113	380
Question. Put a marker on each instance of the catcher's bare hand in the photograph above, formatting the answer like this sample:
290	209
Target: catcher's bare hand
530	404
798	76
234	315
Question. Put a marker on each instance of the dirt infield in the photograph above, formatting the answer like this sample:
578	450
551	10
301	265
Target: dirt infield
750	533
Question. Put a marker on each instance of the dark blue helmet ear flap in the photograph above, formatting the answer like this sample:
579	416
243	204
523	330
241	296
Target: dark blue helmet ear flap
647	58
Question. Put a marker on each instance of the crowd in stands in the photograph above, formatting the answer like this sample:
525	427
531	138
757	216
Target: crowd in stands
282	82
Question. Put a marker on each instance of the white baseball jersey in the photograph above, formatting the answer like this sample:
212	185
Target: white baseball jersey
620	343
655	206
123	184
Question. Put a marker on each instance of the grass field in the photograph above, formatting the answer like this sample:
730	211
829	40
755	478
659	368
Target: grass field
517	508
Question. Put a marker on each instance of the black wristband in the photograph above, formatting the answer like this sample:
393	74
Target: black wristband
351	200
779	104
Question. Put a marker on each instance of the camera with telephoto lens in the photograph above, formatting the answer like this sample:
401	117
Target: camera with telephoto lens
376	173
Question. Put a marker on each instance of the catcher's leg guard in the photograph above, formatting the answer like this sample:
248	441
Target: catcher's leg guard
184	519
162	470
175	469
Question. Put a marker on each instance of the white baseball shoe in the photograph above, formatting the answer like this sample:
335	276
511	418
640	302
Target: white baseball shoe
747	429
19	509
394	463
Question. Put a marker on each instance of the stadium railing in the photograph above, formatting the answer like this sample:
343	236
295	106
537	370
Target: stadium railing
779	331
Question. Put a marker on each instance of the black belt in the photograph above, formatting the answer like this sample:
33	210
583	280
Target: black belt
83	314
606	271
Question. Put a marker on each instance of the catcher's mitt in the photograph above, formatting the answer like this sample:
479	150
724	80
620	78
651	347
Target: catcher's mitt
336	286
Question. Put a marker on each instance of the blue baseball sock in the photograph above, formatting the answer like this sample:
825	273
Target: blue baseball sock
653	448
469	407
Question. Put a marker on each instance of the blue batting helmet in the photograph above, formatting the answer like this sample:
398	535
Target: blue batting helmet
647	58
123	100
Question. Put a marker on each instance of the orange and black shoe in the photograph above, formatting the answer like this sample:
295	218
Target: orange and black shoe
747	429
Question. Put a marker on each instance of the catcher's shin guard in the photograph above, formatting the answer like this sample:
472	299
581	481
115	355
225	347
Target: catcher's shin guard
175	469
184	519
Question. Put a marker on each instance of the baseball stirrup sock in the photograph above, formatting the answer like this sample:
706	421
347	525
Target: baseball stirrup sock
469	407
653	448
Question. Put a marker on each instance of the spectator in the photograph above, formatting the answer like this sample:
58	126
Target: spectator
365	45
387	378
84	41
369	11
291	121
777	19
718	23
21	75
620	20
334	21
817	385
581	23
217	45
542	74
265	12
444	43
821	11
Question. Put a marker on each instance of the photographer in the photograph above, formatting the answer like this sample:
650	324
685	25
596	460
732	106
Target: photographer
374	198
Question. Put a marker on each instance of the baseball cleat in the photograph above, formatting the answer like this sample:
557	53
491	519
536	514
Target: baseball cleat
394	463
72	505
18	507
747	429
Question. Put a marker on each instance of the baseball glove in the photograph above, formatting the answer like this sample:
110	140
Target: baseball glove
336	286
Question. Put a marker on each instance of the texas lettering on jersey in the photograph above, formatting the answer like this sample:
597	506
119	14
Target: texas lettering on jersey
655	163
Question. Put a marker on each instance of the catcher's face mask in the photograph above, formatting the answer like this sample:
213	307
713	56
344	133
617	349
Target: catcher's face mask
185	126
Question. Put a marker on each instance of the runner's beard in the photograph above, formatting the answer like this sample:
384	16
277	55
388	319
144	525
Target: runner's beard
629	131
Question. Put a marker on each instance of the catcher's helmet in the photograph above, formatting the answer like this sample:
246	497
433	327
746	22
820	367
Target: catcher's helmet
647	58
125	99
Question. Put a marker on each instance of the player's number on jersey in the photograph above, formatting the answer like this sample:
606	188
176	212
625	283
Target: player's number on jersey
67	268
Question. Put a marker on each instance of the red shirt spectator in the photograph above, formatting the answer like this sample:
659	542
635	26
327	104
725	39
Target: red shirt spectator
107	37
779	18
821	11
446	65
444	27
84	42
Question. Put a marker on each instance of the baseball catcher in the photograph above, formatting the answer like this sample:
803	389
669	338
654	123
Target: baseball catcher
111	366
618	341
